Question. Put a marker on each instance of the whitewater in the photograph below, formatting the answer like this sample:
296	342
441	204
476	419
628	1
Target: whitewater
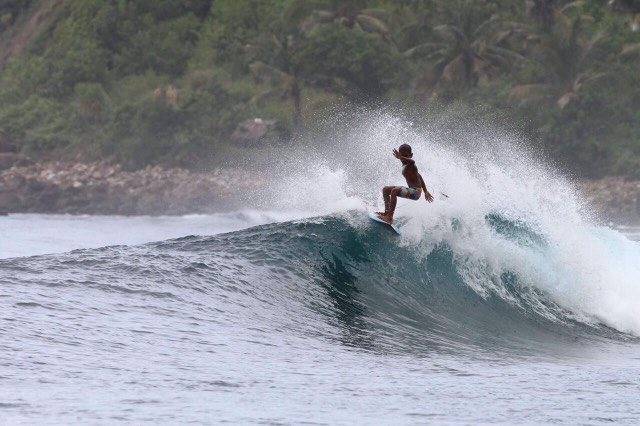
504	300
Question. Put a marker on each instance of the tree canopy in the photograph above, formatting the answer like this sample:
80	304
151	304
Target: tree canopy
169	81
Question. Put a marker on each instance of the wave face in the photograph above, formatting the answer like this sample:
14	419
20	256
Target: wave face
340	277
507	217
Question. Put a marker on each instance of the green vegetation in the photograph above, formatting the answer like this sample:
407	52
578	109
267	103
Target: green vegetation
148	81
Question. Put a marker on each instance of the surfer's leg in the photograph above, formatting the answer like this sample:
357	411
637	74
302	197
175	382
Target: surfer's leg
386	193
390	202
393	200
394	193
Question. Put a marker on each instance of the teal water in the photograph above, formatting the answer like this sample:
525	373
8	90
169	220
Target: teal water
319	320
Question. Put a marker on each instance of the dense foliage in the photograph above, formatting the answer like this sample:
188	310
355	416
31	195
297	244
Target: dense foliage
146	81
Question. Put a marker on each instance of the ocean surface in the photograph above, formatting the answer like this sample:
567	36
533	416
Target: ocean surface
330	319
504	302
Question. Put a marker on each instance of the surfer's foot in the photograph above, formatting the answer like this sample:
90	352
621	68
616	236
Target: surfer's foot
386	217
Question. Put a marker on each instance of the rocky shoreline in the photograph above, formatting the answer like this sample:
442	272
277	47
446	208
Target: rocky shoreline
103	188
615	199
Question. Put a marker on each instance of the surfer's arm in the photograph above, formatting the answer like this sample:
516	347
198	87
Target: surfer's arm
427	194
401	158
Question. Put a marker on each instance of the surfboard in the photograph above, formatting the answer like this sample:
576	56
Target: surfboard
375	218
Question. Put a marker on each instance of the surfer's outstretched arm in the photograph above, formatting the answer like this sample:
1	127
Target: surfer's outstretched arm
407	160
427	194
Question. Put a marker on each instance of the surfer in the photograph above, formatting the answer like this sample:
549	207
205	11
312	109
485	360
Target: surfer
415	184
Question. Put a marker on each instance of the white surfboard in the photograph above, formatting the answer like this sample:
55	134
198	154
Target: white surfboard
375	218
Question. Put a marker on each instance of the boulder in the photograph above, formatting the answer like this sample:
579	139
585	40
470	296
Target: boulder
167	94
6	144
10	159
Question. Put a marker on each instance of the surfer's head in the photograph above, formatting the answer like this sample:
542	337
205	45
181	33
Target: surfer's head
405	150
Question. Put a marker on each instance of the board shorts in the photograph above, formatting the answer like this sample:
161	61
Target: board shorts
410	193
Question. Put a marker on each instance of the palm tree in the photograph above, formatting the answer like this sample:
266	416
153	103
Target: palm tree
414	22
466	49
569	56
543	12
351	13
283	77
277	65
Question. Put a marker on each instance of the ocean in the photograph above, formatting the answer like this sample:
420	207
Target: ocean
507	301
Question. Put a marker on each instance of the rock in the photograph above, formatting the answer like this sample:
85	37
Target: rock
171	94
168	94
6	144
614	198
9	201
10	159
93	188
249	132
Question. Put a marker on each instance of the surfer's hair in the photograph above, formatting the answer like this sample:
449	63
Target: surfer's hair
405	150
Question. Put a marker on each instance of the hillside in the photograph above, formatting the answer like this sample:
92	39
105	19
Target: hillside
183	82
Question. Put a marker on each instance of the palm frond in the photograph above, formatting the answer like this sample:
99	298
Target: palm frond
630	50
421	49
592	44
485	25
372	24
438	53
586	78
566	99
529	91
324	16
450	29
380	14
508	53
573	5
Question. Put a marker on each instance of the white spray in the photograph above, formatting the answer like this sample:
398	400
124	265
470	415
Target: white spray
591	270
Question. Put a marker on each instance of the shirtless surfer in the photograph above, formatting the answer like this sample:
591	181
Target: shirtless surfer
415	184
